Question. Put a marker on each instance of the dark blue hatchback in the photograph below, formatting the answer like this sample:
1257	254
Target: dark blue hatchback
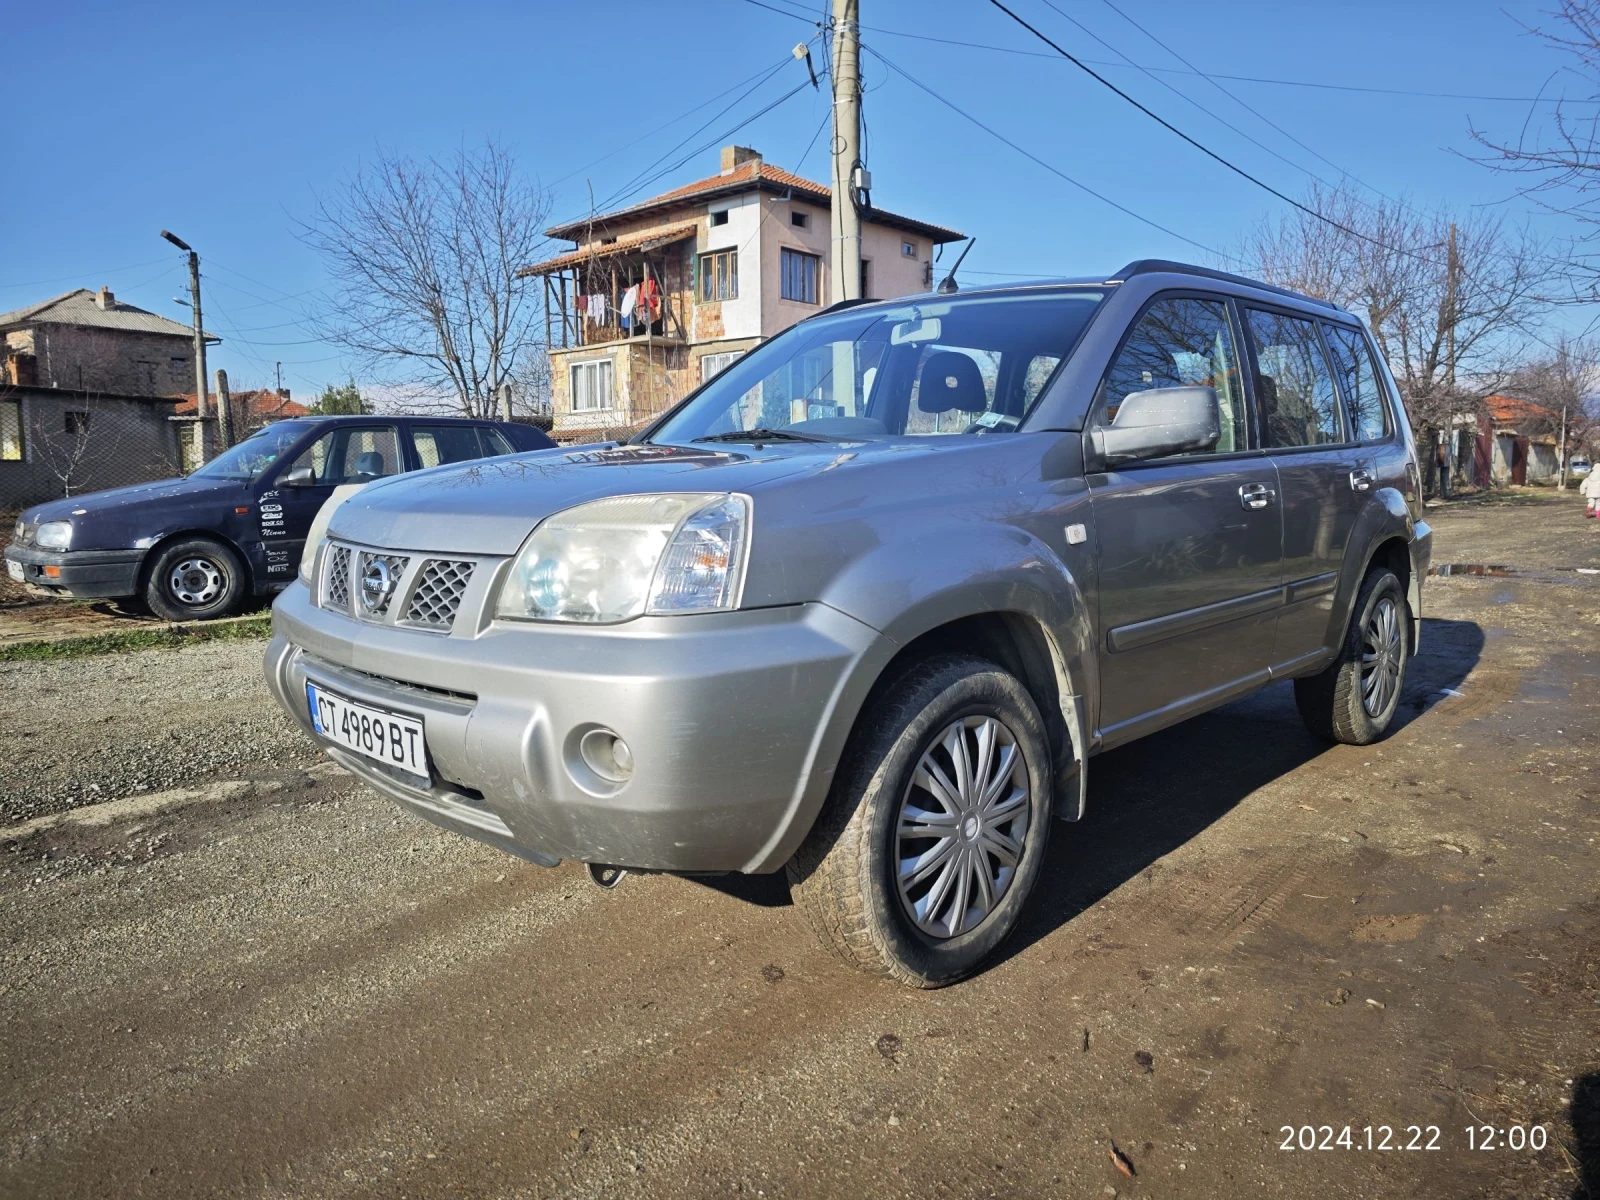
198	547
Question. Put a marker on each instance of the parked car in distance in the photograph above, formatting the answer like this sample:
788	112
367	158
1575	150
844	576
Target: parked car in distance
1578	467
865	604
197	547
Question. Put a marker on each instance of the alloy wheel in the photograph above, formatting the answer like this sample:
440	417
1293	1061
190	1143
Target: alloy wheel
961	828
1382	656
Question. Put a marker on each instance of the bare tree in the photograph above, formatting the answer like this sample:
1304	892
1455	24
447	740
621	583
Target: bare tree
1452	303
1560	157
425	258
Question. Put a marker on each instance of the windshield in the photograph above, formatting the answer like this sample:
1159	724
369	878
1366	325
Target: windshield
931	366
255	454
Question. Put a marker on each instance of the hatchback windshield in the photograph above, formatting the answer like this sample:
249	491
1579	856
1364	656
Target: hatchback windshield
930	366
255	454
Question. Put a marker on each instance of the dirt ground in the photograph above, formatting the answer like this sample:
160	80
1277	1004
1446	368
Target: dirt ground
250	976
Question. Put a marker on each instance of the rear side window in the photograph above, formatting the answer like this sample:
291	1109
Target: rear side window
440	444
1294	387
1182	342
494	442
1358	380
347	455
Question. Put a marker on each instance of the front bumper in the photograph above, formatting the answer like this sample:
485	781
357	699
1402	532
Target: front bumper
85	573
735	720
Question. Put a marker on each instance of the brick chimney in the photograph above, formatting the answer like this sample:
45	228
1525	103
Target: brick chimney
104	300
734	157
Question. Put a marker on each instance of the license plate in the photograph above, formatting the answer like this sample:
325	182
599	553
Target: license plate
14	569
384	737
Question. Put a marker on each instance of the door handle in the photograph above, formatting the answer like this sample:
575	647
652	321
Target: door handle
1361	480
1256	495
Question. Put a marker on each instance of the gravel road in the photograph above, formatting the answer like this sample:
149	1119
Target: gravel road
274	983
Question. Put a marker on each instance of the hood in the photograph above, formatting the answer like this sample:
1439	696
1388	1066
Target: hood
103	518
490	506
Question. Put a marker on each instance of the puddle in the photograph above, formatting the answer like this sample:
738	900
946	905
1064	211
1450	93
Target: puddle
1472	569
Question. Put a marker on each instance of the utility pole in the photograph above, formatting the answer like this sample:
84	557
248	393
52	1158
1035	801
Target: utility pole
202	409
1452	267
846	257
224	410
1562	449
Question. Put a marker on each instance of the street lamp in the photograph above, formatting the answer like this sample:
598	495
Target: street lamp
201	410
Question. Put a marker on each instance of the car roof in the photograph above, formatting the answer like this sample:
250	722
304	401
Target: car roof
367	418
1142	266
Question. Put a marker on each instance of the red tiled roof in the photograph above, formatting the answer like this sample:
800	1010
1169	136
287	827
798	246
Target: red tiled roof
753	173
1509	410
260	404
645	239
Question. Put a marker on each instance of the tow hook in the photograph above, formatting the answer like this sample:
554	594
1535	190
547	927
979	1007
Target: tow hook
606	876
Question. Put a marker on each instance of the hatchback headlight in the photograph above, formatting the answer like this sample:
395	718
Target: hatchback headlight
618	558
53	535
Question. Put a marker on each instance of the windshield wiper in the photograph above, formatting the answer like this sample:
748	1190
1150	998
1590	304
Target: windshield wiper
764	435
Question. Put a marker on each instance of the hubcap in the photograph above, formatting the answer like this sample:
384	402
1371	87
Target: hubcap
196	582
1383	654
961	828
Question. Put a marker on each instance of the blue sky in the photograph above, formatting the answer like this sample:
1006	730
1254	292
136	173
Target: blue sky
293	97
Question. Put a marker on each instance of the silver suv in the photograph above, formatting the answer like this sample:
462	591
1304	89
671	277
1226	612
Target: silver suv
864	605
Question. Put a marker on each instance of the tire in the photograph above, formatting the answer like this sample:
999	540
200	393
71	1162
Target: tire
197	579
1354	699
844	877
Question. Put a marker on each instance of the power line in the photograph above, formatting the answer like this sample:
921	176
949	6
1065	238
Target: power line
782	12
1054	170
644	177
1204	149
1189	99
1302	83
660	128
635	188
1248	108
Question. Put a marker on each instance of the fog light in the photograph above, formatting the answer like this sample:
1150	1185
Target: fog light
607	755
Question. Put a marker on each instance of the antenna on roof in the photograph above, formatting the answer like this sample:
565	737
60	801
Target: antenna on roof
948	285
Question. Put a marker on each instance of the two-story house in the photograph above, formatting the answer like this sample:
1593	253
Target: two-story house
657	296
88	384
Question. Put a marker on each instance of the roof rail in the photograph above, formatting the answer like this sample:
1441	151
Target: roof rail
1146	266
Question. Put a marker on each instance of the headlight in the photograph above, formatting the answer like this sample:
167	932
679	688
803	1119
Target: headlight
54	535
319	527
610	560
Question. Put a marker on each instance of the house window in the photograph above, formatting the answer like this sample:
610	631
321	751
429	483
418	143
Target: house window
10	430
714	364
591	385
800	276
866	279
719	275
720	217
799	219
908	249
76	422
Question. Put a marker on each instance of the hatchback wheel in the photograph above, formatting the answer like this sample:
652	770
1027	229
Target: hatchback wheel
1354	699
195	580
935	831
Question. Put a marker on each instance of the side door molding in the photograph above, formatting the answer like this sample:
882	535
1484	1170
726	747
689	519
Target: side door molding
1192	620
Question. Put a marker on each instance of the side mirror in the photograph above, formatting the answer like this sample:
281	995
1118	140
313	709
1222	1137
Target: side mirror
299	477
1161	421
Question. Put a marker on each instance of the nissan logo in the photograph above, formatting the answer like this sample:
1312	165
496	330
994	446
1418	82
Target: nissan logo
377	582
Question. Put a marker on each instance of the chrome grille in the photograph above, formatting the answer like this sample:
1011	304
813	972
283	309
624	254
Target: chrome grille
396	564
336	591
438	593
